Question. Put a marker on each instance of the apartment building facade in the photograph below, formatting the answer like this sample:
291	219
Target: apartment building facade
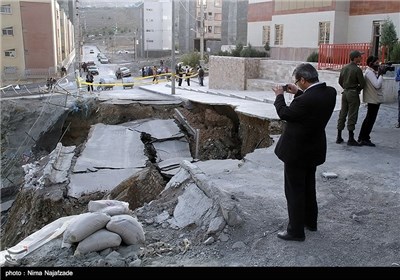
37	39
155	39
295	28
216	22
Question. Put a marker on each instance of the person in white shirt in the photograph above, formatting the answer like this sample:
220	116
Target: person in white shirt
397	79
372	95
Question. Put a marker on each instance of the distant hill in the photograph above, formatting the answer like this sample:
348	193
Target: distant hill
104	21
110	3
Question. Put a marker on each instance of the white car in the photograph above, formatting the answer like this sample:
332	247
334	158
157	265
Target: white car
104	60
122	51
93	69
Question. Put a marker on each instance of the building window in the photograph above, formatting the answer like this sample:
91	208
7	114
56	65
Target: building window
278	34
5	9
266	34
204	3
218	3
376	36
217	16
10	69
9	53
217	29
209	29
324	32
8	31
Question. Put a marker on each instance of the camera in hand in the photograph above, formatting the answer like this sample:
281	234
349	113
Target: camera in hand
383	68
285	87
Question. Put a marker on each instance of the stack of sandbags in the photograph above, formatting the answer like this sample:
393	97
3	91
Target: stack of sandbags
106	225
110	207
126	226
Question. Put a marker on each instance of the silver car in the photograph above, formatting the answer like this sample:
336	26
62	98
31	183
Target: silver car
123	72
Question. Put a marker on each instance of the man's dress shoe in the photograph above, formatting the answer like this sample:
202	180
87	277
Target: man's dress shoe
366	143
287	236
310	228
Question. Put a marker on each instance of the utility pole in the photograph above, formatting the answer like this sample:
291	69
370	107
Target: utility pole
78	47
78	36
201	32
173	47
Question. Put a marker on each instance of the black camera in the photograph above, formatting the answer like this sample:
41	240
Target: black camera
383	68
285	87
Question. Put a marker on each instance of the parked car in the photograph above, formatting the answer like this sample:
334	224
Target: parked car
104	60
91	51
90	63
106	84
122	51
127	82
93	69
123	72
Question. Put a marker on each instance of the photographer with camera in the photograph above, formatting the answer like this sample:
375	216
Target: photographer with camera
373	96
302	145
398	96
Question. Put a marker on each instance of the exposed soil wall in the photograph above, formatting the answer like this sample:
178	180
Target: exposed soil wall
223	135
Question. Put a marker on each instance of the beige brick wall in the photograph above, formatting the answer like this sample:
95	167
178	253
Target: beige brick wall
234	72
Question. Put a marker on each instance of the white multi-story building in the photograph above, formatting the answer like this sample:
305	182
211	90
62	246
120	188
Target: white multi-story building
295	28
157	26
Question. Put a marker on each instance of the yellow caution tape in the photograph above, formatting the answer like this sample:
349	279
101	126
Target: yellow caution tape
138	79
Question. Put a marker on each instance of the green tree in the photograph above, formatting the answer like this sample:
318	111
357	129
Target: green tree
251	52
192	59
236	52
388	37
395	53
266	46
313	57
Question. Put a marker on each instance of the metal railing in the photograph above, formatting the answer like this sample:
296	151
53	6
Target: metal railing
335	56
40	72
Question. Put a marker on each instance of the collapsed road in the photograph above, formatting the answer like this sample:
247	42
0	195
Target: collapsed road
216	212
99	143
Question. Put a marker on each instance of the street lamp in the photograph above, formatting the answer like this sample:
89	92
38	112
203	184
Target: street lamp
173	47
201	32
78	37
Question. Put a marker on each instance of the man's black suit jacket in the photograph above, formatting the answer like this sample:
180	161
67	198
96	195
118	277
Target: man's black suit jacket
303	141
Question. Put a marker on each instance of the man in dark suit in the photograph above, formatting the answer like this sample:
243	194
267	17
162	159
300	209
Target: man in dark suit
302	145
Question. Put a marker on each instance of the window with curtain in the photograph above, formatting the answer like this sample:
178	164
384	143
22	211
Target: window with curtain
8	31
324	32
278	34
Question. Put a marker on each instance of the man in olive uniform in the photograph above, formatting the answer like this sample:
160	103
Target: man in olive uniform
351	79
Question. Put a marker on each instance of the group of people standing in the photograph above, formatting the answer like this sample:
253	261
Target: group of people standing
302	145
188	72
50	82
353	81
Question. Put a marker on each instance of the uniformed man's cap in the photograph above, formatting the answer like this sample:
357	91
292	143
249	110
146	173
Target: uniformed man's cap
355	54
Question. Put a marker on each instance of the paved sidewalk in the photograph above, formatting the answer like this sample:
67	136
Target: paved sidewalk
265	98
